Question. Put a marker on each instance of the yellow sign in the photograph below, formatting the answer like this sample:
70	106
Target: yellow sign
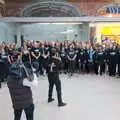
111	30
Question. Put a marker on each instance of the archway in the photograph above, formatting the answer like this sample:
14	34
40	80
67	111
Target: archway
50	9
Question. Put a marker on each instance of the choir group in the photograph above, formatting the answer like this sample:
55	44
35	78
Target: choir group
76	57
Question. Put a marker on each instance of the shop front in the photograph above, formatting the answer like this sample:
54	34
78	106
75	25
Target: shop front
108	31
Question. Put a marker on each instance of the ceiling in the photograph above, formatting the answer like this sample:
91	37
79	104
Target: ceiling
63	0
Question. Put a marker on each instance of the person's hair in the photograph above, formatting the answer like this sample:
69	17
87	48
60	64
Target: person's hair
15	58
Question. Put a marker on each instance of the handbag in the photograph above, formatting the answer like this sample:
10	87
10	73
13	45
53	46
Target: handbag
27	82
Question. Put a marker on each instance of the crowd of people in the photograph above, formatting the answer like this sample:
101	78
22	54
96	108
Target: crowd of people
18	64
76	57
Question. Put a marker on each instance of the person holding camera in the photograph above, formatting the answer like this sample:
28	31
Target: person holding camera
21	95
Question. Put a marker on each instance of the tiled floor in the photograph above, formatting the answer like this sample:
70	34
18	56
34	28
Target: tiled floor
88	97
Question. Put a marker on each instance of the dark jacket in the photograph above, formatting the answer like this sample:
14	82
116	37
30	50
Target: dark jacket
113	56
118	56
21	95
54	75
100	57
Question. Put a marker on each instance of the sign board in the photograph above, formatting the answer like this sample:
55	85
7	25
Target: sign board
113	10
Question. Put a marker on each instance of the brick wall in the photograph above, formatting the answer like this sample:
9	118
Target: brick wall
12	9
87	8
90	8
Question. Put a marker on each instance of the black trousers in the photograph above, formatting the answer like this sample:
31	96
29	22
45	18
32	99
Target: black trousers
96	66
102	67
41	65
112	68
87	67
119	69
54	81
81	65
66	65
3	71
71	66
29	111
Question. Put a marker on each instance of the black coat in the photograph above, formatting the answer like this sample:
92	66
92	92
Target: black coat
100	57
118	56
54	75
21	95
113	56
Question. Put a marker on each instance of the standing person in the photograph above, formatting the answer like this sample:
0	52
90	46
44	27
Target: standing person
35	55
0	67
86	61
81	59
25	55
91	52
112	61
26	58
53	77
95	61
77	49
66	62
118	60
63	59
101	60
71	55
4	65
44	50
41	59
21	95
47	53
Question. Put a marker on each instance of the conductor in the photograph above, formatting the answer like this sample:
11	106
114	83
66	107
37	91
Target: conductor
54	64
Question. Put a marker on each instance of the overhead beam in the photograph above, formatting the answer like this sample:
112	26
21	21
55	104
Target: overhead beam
62	0
59	19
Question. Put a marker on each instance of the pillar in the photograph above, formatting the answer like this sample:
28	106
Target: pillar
18	34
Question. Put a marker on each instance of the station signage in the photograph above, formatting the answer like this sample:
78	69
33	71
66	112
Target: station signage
113	10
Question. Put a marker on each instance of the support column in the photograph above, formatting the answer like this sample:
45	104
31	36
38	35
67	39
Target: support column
69	32
18	34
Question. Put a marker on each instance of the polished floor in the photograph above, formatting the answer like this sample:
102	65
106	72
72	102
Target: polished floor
88	97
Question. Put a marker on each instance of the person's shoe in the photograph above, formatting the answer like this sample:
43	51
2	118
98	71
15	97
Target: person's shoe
118	76
65	72
96	73
112	75
62	104
50	100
